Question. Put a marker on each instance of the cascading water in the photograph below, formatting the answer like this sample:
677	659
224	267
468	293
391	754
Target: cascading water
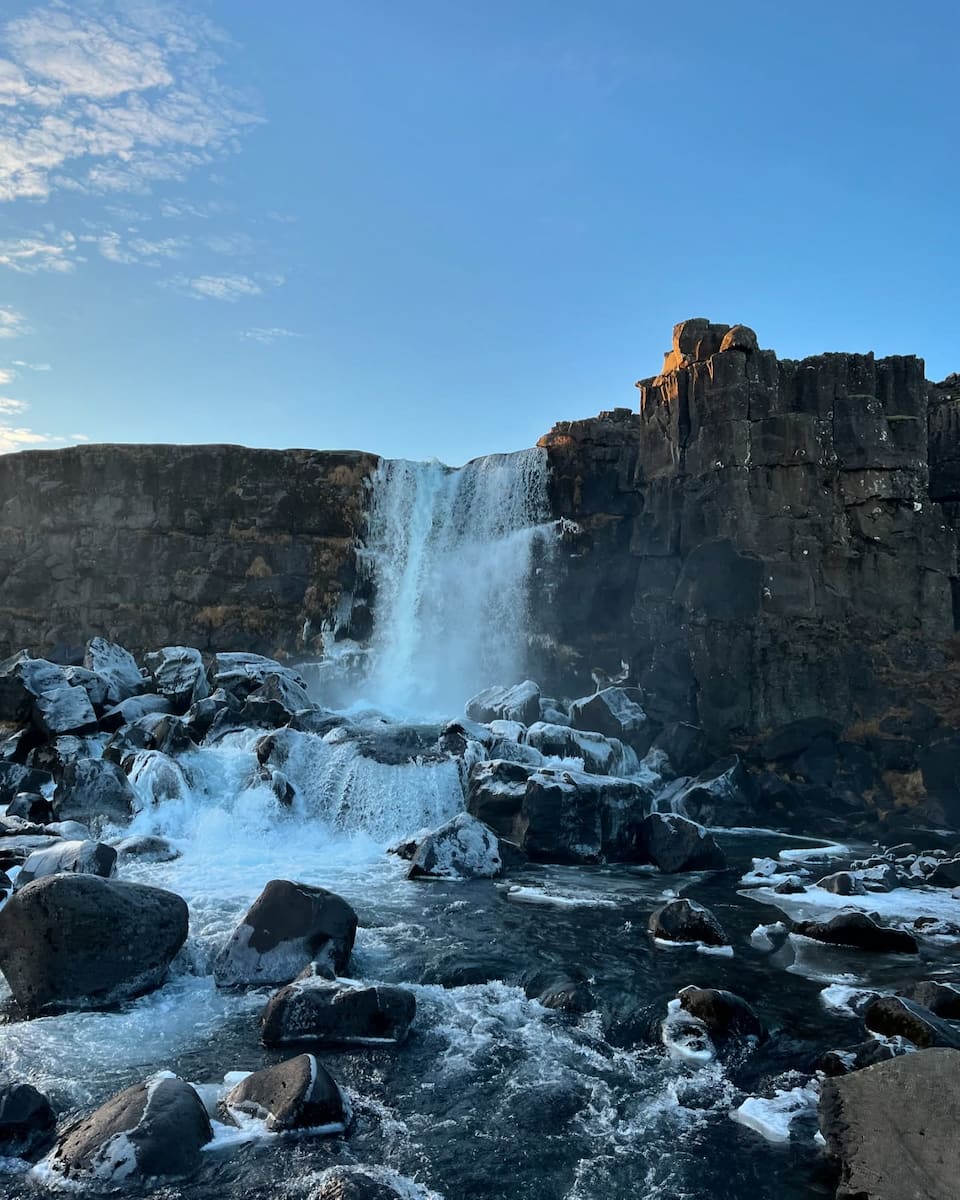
452	552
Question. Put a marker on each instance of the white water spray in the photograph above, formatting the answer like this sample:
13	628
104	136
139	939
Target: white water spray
452	554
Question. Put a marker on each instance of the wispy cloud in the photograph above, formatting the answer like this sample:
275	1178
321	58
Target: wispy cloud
185	209
217	287
12	324
27	366
28	255
6	376
115	99
267	336
14	438
8	405
117	248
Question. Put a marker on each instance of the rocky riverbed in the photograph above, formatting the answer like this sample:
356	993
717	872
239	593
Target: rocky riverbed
256	946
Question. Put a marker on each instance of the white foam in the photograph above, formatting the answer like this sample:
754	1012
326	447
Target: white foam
772	1117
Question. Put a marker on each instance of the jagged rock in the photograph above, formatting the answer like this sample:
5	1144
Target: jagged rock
79	941
14	851
789	885
463	848
239	674
296	1094
81	858
685	747
945	874
14	826
725	1014
96	687
942	999
23	680
849	927
895	1016
686	921
314	1009
27	1121
117	666
616	713
855	1058
64	709
495	794
93	791
156	1128
16	778
276	701
145	848
31	806
362	1183
519	703
156	777
288	926
601	755
133	709
155	731
178	674
893	1127
842	883
720	795
675	844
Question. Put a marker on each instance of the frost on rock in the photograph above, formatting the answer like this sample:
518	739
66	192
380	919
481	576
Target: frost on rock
463	848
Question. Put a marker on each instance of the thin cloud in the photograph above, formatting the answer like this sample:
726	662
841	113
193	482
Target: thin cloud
26	366
267	337
13	438
116	248
12	324
217	287
29	255
6	376
117	101
8	405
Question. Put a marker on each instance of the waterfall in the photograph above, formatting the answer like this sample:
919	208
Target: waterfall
452	553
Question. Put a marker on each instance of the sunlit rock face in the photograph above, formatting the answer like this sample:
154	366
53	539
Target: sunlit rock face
220	547
767	540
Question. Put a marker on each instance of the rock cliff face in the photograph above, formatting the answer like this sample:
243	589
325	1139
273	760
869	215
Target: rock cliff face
217	546
767	540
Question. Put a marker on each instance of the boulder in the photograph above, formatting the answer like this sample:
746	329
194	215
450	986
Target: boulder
601	755
942	999
675	844
855	1058
518	703
79	941
117	666
22	681
27	1121
31	806
842	883
363	1183
463	848
616	713
156	1128
314	1009
178	674
686	921
288	926
275	702
296	1094
239	674
495	794
14	851
739	337
145	848
720	795
63	709
853	928
128	711
562	990
96	687
895	1016
725	1014
893	1128
16	778
81	858
95	792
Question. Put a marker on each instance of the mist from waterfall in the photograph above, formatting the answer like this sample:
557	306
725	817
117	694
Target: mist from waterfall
452	554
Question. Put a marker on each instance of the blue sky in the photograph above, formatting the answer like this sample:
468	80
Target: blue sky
435	228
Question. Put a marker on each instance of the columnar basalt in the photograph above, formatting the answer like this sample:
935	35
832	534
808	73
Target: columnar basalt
216	546
766	540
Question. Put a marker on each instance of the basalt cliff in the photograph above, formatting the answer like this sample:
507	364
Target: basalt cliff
767	549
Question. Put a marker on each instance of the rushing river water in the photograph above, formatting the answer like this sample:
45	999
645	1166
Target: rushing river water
492	1097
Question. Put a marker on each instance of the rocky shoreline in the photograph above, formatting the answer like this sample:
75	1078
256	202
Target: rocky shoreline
589	783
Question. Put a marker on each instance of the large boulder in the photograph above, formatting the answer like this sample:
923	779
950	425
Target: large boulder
288	926
675	844
333	1012
725	1014
518	703
616	713
364	1183
242	673
178	673
16	778
155	1128
463	848
495	794
853	928
117	666
686	921
275	702
296	1094
95	792
82	858
133	709
22	681
27	1120
63	709
601	755
894	1016
942	999
894	1126
79	941
720	795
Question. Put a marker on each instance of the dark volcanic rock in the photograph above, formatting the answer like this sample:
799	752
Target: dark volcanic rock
91	791
155	1128
563	990
361	1183
725	1014
16	778
853	928
288	926
674	844
79	941
518	703
178	673
686	921
463	848
117	666
616	713
895	1016
82	858
720	795
942	999
296	1094
314	1009
27	1120
31	806
893	1128
855	1058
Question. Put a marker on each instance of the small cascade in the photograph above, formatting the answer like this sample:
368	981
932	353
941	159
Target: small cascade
452	554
